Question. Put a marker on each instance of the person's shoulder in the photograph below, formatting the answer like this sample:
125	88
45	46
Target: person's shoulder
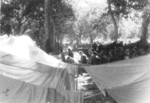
83	56
92	57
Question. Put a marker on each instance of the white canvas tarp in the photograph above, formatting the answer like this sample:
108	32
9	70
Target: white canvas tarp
127	81
15	91
23	63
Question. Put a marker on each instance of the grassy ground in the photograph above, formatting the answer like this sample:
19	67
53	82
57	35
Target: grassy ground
91	92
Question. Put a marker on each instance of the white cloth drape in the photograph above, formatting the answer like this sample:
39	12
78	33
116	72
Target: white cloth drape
33	72
22	62
128	81
15	91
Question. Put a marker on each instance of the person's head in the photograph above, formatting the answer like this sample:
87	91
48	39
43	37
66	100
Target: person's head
80	52
61	50
90	52
127	51
69	50
94	53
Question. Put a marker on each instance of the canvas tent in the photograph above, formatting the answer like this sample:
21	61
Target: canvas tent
29	75
127	81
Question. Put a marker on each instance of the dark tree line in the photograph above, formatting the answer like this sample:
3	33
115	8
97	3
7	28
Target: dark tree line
42	20
45	21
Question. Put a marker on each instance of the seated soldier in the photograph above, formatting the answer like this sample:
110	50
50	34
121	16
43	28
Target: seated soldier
127	53
70	60
94	46
83	58
70	53
94	60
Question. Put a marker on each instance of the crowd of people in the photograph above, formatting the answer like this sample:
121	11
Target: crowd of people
100	54
68	58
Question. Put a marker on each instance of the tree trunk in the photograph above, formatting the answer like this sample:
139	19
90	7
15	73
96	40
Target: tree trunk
59	42
54	44
17	29
79	39
77	43
114	21
145	23
48	28
80	35
91	38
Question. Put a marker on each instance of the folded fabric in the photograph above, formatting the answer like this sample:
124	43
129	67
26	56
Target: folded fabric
128	81
15	91
23	55
27	73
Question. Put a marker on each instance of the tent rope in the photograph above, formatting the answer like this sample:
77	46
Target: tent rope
92	96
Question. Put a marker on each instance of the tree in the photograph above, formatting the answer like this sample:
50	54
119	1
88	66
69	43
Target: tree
17	15
27	17
24	17
145	24
122	8
113	19
48	26
59	13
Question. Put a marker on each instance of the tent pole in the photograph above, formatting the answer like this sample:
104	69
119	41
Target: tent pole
77	79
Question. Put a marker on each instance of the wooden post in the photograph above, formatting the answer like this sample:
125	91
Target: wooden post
77	80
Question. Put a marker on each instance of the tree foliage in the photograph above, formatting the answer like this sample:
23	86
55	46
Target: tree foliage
145	24
27	17
17	15
60	13
123	8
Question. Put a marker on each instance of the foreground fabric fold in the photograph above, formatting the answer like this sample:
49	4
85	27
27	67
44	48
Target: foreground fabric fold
22	53
14	91
127	81
33	72
24	65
